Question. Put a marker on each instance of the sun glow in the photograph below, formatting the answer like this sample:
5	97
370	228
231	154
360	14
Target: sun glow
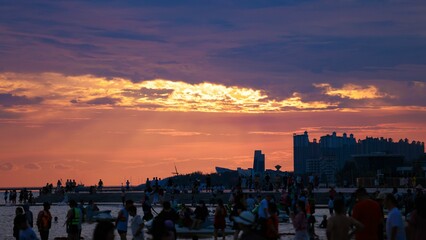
88	91
352	91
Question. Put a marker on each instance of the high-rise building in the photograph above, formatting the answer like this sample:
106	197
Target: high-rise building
303	149
316	157
259	162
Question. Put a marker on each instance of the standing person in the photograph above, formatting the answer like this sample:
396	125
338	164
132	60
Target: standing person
330	205
395	229
339	225
272	223
136	224
18	211
219	219
146	208
73	221
44	221
123	219
300	223
100	185
123	195
417	220
29	215
250	202
263	213
25	231
237	209
6	194
367	212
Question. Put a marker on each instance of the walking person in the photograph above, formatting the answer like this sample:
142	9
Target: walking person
395	229
73	221
367	212
300	222
136	224
220	219
123	219
18	211
272	231
44	221
340	225
263	213
331	205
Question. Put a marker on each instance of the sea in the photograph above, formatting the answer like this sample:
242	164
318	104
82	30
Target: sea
7	214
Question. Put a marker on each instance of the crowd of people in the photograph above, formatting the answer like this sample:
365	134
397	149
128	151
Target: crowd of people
13	197
252	216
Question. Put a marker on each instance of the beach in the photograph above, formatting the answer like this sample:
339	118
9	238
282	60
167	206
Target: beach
58	229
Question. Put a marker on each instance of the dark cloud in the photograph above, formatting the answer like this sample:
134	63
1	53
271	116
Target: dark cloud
104	101
279	46
7	99
127	35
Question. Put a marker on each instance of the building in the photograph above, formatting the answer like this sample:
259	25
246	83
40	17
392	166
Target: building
328	168
371	164
340	148
259	162
313	166
303	149
315	157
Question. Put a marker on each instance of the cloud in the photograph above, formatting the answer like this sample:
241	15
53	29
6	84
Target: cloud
104	101
6	166
32	166
7	99
173	132
270	133
352	91
62	167
157	94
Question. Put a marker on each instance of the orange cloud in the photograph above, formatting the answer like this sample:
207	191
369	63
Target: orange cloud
352	91
88	91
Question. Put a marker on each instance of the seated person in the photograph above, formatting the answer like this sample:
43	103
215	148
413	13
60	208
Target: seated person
201	213
323	223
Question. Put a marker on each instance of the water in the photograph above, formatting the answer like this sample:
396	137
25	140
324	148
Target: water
7	213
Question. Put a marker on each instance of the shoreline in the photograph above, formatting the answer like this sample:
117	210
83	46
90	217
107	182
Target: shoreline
321	196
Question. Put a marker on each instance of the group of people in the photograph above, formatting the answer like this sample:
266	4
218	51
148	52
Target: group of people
24	196
368	220
23	223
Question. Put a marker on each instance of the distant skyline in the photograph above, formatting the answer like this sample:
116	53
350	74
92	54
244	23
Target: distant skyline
125	90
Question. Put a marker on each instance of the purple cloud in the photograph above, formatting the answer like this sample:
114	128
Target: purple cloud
7	99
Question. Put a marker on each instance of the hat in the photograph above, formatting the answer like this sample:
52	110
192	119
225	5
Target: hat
419	187
245	218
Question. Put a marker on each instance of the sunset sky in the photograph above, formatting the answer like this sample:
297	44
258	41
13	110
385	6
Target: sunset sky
124	90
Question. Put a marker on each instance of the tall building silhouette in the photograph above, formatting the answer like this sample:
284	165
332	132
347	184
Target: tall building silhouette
259	162
303	150
331	152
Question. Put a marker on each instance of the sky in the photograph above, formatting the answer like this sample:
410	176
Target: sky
127	89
